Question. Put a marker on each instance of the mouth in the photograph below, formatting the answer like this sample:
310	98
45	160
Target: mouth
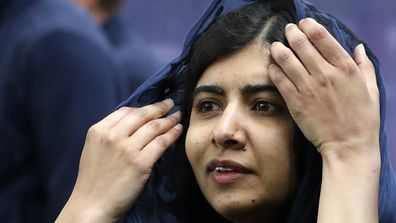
227	171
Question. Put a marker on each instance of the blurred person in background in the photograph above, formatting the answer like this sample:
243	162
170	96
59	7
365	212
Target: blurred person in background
58	76
220	169
131	53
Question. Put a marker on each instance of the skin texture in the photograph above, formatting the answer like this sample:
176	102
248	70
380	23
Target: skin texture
334	100
331	96
117	159
253	129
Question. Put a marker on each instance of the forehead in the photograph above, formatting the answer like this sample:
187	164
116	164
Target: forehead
248	66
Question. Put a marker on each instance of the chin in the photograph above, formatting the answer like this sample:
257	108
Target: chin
243	209
230	205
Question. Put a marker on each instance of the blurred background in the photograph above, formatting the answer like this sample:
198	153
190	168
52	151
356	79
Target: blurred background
163	25
65	64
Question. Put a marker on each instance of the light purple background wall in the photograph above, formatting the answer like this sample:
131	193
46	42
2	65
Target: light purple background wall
163	25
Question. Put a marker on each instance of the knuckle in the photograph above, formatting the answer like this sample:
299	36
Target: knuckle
140	165
324	79
317	33
298	41
173	132
277	79
298	109
162	141
309	93
133	159
124	150
108	139
141	113
93	132
155	125
174	118
163	106
348	67
284	56
126	109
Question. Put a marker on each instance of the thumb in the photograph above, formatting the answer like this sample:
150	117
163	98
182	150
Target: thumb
362	60
366	66
360	55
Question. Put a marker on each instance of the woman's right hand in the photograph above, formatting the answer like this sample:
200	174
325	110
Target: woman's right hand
117	160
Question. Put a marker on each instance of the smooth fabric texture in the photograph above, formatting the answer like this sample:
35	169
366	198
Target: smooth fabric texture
166	84
57	78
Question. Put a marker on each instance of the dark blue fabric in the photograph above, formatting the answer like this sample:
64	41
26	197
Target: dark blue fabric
57	78
165	84
132	53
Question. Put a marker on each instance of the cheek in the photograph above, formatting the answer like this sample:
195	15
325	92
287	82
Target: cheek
283	158
275	150
193	145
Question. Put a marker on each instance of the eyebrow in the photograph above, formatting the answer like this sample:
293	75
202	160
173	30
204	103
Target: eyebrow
252	89
248	89
214	89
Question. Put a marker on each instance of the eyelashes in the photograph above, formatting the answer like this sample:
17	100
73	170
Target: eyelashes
265	107
208	107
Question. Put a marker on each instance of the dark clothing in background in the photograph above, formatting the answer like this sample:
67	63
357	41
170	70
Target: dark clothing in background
57	78
160	200
133	55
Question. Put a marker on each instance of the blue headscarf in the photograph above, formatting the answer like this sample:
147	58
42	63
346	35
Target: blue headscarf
166	84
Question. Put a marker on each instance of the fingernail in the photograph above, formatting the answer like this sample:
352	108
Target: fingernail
276	43
302	20
179	127
169	102
361	46
177	114
289	25
299	23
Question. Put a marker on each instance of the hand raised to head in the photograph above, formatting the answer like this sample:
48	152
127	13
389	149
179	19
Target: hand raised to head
117	160
332	97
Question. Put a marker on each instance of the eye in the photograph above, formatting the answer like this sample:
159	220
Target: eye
208	106
265	107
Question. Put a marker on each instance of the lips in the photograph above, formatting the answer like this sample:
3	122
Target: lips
227	171
227	166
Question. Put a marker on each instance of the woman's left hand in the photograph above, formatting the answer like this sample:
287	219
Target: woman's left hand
333	97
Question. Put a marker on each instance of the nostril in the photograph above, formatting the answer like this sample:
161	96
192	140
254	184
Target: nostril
228	140
230	143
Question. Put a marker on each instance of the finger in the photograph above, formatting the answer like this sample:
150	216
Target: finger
285	87
110	120
154	128
326	44
289	63
140	116
154	150
366	66
309	56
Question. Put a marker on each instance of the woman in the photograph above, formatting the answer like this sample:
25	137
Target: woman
271	134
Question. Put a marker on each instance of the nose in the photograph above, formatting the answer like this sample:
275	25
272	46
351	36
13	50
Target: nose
229	132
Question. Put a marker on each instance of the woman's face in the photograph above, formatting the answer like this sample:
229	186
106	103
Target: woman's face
240	137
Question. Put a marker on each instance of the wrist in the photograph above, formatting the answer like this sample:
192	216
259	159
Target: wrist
362	155
81	210
350	177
